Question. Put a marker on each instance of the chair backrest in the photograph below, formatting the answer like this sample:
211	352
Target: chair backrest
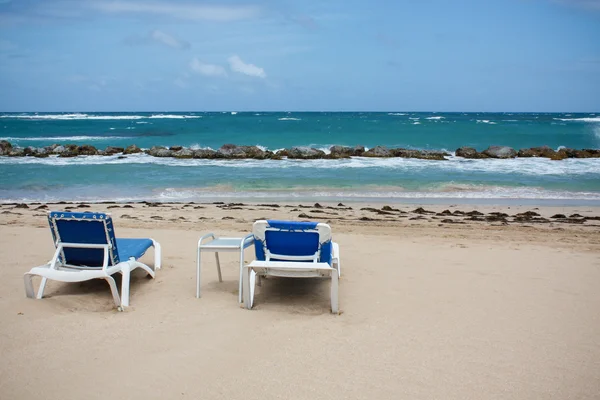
84	228
291	238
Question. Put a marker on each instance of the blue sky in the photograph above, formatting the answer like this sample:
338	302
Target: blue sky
403	55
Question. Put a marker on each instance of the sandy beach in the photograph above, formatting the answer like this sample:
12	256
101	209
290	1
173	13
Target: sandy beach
437	302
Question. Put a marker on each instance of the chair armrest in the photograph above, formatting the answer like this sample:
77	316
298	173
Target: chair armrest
247	241
212	235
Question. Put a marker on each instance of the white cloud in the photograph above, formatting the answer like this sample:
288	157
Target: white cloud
207	69
189	11
237	65
168	40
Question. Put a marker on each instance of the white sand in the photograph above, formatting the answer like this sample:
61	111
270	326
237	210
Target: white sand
471	311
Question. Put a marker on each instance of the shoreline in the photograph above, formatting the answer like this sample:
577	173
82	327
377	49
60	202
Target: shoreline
432	201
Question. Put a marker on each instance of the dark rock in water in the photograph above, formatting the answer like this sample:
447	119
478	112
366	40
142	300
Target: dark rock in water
341	205
110	150
164	153
234	151
255	152
30	151
317	205
419	154
500	152
340	152
69	150
5	147
543	151
39	152
58	149
559	216
282	153
469	152
154	149
388	208
445	212
87	150
567	153
160	151
121	157
575	216
175	148
133	149
183	153
587	153
433	155
305	153
16	152
378	151
358	151
205	153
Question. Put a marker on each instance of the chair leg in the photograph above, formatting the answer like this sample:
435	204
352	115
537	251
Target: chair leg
137	264
334	292
42	287
198	263
218	266
240	283
113	290
157	255
336	255
248	290
125	287
29	292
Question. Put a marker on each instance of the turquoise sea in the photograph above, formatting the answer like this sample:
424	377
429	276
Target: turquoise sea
141	177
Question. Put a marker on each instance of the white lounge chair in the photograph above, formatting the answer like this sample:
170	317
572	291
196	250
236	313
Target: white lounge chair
293	250
86	248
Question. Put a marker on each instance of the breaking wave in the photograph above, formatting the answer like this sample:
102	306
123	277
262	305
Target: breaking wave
81	116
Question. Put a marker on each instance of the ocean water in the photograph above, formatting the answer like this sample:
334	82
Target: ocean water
141	177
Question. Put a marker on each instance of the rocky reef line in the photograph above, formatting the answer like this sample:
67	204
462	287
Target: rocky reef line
232	151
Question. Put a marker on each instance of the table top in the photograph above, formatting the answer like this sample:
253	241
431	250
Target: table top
226	243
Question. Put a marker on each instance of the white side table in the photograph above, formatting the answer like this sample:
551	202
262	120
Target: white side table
223	244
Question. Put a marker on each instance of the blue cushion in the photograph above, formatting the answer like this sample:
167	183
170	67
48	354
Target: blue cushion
132	248
85	228
292	240
291	225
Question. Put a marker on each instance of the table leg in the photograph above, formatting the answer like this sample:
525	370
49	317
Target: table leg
198	261
218	266
240	284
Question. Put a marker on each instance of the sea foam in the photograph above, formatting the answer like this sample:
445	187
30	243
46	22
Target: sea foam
80	116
